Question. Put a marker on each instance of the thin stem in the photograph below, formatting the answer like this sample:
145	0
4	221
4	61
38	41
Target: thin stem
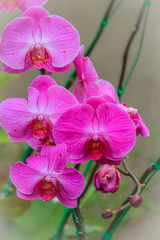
43	71
122	171
81	232
138	184
90	180
77	166
145	179
128	46
138	187
65	218
139	51
101	29
59	233
104	22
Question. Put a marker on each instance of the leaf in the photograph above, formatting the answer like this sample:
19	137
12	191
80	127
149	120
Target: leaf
4	136
70	231
5	78
12	207
40	222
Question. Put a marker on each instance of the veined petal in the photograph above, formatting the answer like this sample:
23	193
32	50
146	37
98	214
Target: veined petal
49	67
39	93
106	88
32	196
141	128
57	156
13	71
117	129
70	203
35	143
89	71
74	127
38	163
15	116
70	183
16	41
105	160
33	95
42	83
24	178
78	61
36	13
59	100
61	40
80	91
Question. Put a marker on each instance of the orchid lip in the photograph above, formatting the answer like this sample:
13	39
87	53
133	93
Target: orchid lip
46	189
39	127
95	148
39	56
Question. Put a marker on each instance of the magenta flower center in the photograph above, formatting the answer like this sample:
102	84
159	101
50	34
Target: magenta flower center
39	127
46	190
38	56
95	148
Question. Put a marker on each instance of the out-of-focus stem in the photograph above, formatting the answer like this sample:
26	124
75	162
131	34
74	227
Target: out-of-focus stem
145	179
81	232
128	46
90	180
90	48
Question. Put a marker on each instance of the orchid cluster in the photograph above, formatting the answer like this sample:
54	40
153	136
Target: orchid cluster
61	126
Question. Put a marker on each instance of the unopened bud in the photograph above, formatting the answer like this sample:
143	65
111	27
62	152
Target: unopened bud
107	179
136	200
107	214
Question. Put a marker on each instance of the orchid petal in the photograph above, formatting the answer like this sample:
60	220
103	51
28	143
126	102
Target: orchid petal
57	156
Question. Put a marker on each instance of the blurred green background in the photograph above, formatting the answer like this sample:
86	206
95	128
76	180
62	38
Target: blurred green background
41	220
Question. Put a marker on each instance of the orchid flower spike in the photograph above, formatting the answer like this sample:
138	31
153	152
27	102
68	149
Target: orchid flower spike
96	130
10	5
33	120
46	177
38	40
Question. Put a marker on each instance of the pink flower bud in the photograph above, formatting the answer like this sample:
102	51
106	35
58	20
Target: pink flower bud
107	179
136	200
107	214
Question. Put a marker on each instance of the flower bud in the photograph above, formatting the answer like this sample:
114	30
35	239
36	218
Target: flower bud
107	214
107	179
136	200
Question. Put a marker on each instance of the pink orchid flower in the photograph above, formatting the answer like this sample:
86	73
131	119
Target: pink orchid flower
46	177
38	40
107	179
96	130
34	119
10	5
108	92
86	85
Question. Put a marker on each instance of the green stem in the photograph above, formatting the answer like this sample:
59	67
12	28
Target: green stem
59	233
139	50
145	179
122	86
104	22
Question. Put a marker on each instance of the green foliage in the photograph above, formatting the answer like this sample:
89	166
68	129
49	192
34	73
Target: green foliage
40	222
12	207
